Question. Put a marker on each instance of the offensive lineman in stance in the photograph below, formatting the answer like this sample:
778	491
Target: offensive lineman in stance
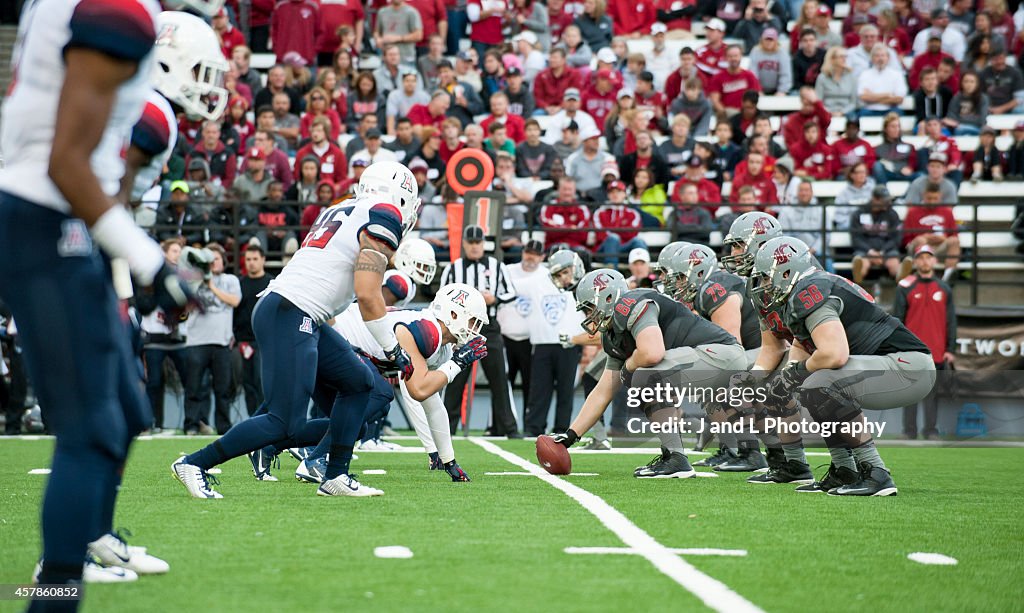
343	257
650	338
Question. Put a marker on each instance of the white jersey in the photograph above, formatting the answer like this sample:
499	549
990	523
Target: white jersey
319	279
155	134
126	30
422	324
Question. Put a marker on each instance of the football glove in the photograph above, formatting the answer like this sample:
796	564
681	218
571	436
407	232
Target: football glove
455	472
566	439
779	390
625	376
566	341
472	351
171	293
401	361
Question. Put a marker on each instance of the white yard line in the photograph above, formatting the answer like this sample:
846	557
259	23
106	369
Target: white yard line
701	551
715	594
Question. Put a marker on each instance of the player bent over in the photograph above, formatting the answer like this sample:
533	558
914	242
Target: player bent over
860	358
660	341
344	256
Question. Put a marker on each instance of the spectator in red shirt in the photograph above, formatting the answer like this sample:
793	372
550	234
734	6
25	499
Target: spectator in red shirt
333	15
758	144
318	105
652	102
222	160
929	59
237	123
813	157
933	224
728	86
937	142
333	163
295	26
563	218
485	23
711	57
707	190
259	25
430	114
228	36
612	219
435	21
550	85
632	18
599	99
451	128
811	109
559	17
949	75
277	160
757	178
687	70
859	8
514	125
852	149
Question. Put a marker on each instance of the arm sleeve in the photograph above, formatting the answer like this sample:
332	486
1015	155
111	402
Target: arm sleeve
823	314
613	364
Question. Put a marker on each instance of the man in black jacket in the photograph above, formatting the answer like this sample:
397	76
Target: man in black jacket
875	233
253	279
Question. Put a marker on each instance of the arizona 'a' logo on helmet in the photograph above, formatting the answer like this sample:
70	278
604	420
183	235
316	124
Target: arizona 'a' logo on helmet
460	298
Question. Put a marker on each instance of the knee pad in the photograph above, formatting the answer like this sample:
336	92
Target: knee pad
826	404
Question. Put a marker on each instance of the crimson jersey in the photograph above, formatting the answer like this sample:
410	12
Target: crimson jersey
925	306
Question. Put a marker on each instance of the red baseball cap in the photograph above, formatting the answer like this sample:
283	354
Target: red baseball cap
824	10
616	185
924	249
256	154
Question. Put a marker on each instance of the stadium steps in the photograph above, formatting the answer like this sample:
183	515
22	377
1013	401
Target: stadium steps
7	36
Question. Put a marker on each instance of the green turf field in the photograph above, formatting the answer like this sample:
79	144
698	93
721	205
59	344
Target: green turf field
498	543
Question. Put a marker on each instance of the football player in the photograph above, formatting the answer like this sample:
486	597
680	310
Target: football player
80	80
650	339
746	235
343	257
860	357
694	278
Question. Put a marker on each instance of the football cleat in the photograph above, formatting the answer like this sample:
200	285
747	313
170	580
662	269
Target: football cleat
722	455
94	572
300	453
435	461
261	464
112	550
791	471
873	481
455	472
598	445
747	461
835	477
377	444
312	471
195	479
670	465
346	485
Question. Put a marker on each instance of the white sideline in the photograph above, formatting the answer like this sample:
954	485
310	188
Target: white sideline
715	594
700	551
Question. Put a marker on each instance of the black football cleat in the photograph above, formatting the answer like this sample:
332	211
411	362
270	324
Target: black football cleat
670	465
747	461
455	472
791	471
722	455
836	476
435	461
874	481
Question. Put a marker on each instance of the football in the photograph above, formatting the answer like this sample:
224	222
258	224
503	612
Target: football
553	457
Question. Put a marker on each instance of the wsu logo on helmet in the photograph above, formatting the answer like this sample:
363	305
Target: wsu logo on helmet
695	258
783	253
760	225
601	281
460	298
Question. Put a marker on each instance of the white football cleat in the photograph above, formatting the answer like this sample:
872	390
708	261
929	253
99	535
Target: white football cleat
346	485
377	444
111	550
93	572
195	479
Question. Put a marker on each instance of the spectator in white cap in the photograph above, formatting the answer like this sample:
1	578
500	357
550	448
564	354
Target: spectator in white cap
609	174
606	58
618	224
595	26
585	165
711	57
571	111
660	61
526	47
640	273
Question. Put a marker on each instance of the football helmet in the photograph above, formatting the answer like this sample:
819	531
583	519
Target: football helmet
394	183
596	297
687	270
206	7
779	265
415	257
748	231
190	67
566	269
462	309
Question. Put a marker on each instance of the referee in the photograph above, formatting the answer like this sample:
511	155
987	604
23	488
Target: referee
489	276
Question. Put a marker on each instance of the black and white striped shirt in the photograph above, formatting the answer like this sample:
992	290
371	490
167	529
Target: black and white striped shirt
487	275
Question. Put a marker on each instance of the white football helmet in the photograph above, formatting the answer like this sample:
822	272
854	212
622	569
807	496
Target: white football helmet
415	257
206	7
394	183
190	67
462	309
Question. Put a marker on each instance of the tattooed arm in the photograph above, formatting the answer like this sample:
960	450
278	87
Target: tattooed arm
369	277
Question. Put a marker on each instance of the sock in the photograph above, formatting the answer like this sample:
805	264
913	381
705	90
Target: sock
110	501
868	453
747	442
671	441
599	432
340	458
842	457
321	448
250	435
728	441
795	452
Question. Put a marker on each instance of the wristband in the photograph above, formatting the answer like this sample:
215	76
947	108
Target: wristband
450	370
116	233
757	368
384	333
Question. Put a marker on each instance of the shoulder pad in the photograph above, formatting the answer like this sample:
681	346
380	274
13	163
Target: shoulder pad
810	294
637	311
124	30
384	223
152	133
426	335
